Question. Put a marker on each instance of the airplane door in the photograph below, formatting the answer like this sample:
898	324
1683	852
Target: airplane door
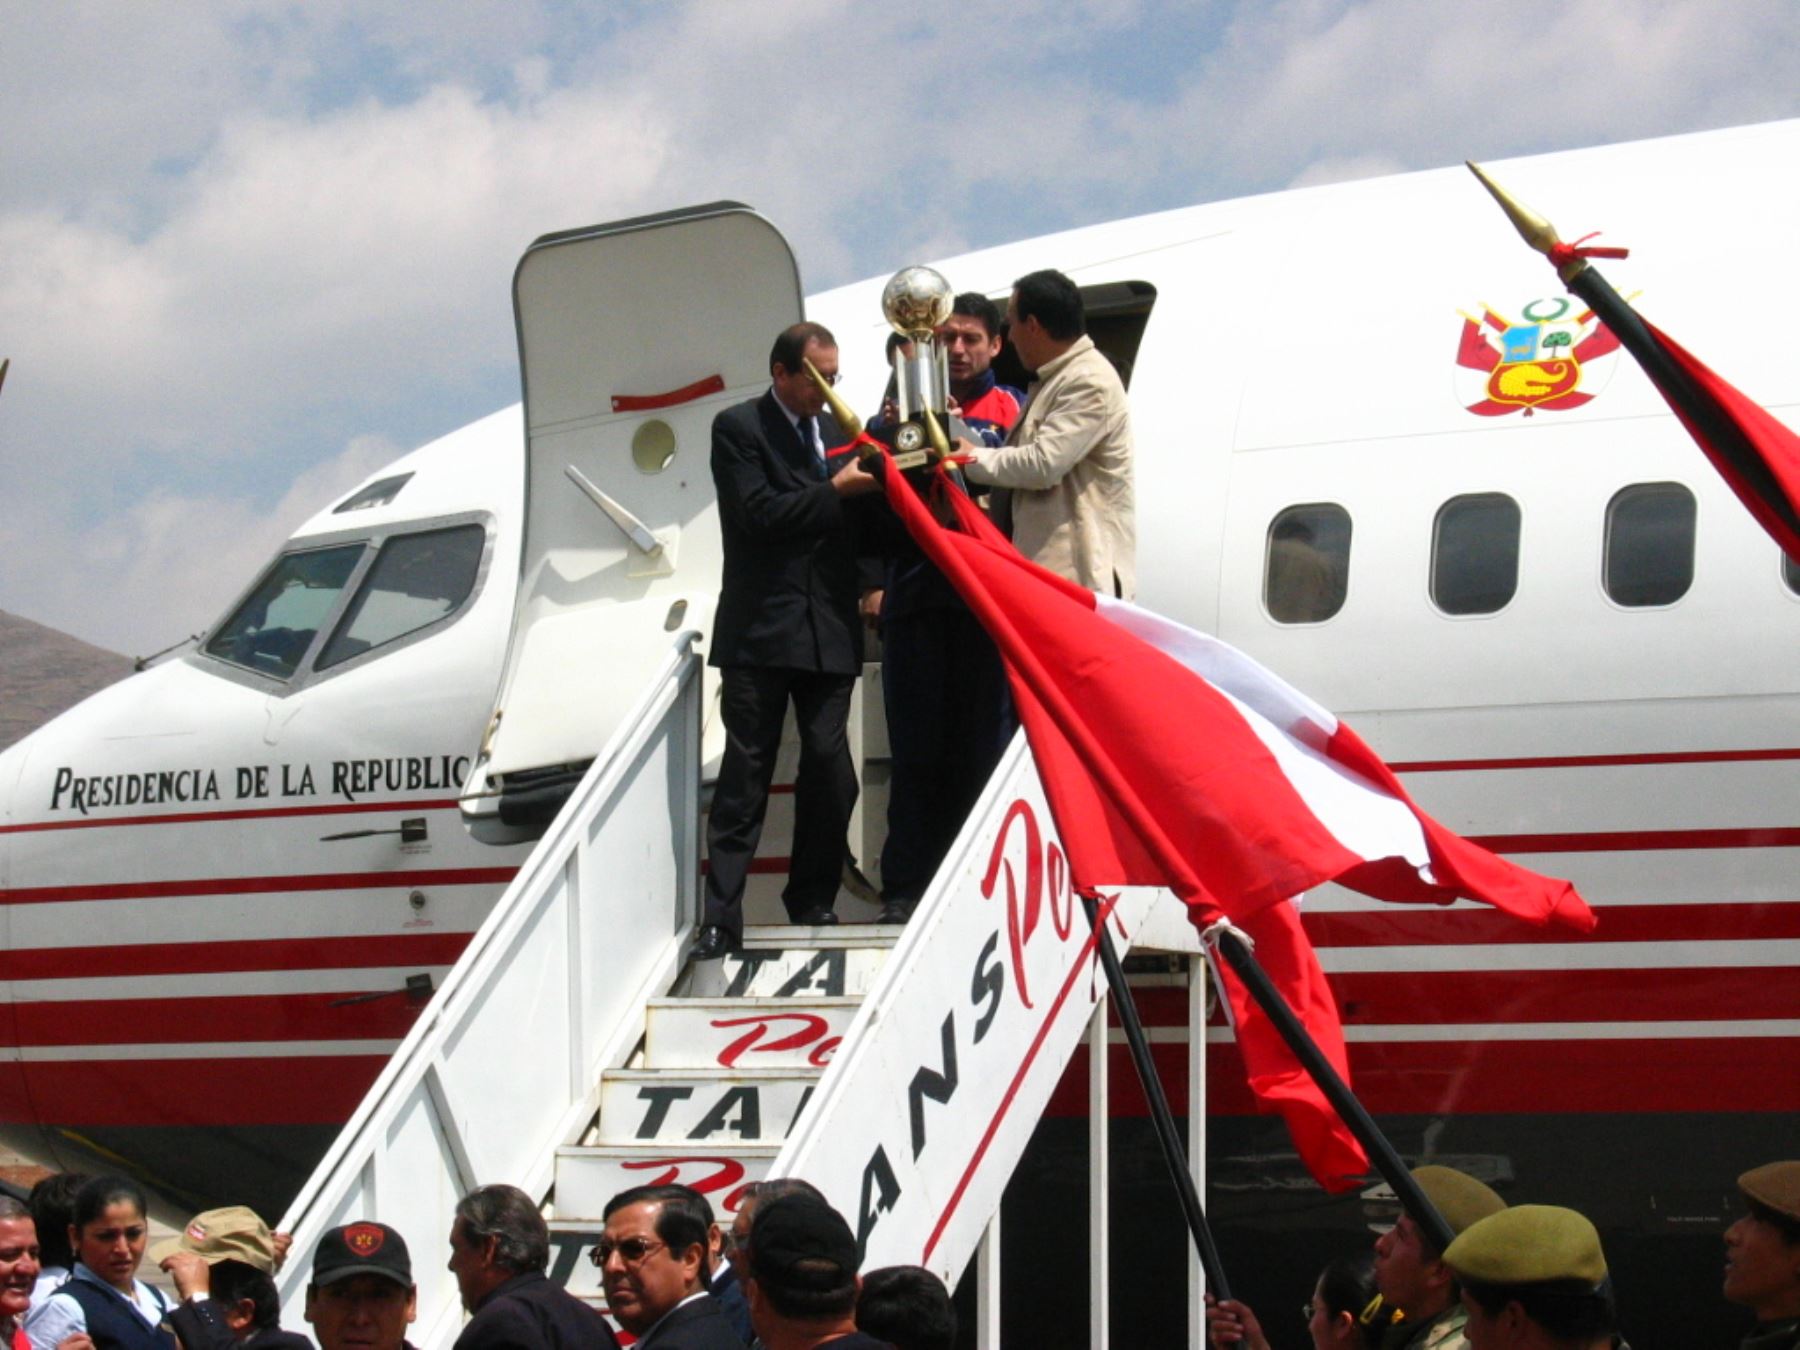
632	337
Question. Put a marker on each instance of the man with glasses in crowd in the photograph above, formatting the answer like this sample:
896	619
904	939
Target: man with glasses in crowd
654	1259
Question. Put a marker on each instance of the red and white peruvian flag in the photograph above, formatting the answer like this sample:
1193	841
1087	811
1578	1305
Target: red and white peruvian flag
1172	759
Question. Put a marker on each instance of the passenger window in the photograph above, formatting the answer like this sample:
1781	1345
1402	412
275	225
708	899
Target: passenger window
272	630
1307	567
1650	544
417	579
1475	554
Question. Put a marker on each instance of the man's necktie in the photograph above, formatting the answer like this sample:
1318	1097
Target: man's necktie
808	444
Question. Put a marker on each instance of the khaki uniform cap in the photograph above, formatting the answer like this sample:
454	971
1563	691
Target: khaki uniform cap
1776	1186
1529	1244
1460	1198
230	1234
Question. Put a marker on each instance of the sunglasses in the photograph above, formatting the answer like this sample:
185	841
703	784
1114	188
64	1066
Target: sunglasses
633	1249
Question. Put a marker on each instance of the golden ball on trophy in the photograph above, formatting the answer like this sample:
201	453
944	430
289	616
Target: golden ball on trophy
916	300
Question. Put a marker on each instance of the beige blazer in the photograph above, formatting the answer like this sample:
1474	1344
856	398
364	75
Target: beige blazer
1068	463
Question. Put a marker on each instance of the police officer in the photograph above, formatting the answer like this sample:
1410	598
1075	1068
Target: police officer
1533	1278
1762	1256
1410	1271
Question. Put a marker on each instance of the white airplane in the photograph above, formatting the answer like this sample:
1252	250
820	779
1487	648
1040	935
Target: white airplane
1379	449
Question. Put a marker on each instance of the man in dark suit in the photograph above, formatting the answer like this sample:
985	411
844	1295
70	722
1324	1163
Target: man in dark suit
787	630
653	1264
499	1247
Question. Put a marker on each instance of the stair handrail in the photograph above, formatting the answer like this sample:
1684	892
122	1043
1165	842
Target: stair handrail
410	1151
932	1094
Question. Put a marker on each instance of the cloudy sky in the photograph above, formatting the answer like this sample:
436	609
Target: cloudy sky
250	250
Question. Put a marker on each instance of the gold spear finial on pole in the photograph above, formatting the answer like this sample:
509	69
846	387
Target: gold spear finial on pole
849	421
1532	227
934	432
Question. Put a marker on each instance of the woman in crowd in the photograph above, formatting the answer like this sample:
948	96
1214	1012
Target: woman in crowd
1344	1312
104	1300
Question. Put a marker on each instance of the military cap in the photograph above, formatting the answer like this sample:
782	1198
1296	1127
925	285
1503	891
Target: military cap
1529	1244
230	1234
1774	1186
1460	1198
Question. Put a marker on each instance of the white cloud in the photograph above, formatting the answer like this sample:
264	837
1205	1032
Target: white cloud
237	240
166	566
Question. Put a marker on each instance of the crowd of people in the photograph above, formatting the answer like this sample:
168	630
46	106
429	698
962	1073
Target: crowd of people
782	1277
1525	1277
801	535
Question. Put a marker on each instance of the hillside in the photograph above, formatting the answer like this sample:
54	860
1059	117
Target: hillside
43	671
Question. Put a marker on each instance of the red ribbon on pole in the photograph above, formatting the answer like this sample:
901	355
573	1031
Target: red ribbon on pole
1562	254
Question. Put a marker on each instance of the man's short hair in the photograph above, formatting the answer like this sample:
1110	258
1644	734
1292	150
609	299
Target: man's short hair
791	344
1567	1310
908	1307
53	1208
1786	1225
977	306
803	1258
683	1220
507	1214
776	1187
14	1209
1052	299
234	1280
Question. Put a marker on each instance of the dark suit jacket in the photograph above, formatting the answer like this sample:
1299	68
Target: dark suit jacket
791	578
528	1312
699	1325
729	1290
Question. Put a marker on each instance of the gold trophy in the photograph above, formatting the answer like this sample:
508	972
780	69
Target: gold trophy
916	300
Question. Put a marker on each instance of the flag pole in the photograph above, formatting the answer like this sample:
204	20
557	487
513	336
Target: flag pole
1231	944
1167	1137
1675	384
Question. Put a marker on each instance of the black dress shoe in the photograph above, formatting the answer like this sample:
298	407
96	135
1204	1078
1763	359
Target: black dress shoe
820	917
714	943
896	911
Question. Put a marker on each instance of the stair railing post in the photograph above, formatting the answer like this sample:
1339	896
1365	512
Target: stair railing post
1167	1138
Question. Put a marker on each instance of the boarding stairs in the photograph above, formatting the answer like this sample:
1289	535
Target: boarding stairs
573	1051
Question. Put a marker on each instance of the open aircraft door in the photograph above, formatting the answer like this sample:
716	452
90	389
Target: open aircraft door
632	337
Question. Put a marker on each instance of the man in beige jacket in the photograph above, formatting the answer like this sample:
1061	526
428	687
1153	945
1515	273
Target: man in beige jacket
1068	458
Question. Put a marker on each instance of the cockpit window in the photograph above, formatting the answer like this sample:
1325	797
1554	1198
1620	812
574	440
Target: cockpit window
379	493
272	630
416	580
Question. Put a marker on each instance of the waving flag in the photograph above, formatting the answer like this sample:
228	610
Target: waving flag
1754	451
1172	759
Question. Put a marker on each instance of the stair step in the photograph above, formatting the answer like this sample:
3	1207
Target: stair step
675	1106
750	1034
588	1175
771	967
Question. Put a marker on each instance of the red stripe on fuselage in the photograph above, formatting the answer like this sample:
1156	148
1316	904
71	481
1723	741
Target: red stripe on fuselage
207	958
1640	841
1476	998
1575	1077
1594	761
1404	926
209	817
187	1093
349	1015
318	881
